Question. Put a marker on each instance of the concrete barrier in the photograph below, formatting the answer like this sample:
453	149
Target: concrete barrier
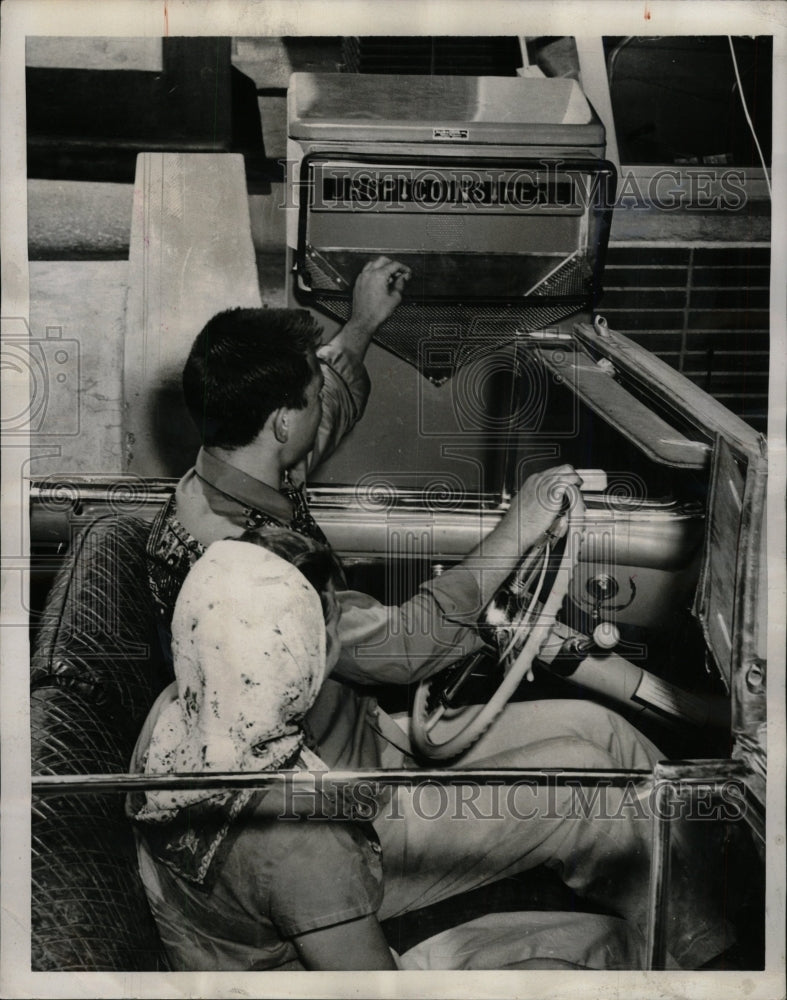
191	256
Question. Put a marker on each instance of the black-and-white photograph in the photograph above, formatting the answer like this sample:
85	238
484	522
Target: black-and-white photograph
393	529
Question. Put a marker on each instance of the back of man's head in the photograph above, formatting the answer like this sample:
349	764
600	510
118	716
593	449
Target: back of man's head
245	364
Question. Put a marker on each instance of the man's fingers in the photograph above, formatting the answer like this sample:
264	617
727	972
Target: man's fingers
565	475
377	263
390	269
399	279
386	275
563	470
378	291
555	486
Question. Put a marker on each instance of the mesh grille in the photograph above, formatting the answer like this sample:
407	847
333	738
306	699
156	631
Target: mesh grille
438	338
572	277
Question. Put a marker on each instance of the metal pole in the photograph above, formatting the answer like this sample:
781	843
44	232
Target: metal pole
658	900
79	784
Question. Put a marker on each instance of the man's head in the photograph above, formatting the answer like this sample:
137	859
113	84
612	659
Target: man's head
247	364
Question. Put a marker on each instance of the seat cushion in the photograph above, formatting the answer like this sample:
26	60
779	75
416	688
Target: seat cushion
96	670
99	633
89	909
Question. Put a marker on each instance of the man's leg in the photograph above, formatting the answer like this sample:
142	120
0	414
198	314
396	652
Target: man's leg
439	841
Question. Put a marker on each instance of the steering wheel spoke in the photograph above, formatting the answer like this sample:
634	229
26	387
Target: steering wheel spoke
431	720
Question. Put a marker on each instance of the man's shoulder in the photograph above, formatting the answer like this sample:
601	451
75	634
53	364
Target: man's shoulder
169	538
171	552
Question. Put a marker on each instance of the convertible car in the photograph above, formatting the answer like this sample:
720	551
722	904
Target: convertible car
497	364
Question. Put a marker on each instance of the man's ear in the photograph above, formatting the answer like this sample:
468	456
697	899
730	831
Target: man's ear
281	424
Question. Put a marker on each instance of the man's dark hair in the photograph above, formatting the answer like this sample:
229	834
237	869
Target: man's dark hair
244	364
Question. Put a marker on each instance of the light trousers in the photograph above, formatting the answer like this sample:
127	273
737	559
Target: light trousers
439	841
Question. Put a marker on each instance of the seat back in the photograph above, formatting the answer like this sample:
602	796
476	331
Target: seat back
97	667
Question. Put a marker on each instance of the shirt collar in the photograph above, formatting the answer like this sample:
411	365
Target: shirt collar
241	486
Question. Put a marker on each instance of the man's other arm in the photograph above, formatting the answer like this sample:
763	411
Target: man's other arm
406	643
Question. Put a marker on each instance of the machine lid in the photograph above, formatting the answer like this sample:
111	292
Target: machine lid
520	111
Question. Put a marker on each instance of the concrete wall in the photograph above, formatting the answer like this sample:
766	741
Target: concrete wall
77	326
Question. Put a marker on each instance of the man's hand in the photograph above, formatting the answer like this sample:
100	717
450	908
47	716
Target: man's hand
540	501
377	292
533	511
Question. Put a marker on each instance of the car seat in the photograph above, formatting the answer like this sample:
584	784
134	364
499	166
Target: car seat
97	667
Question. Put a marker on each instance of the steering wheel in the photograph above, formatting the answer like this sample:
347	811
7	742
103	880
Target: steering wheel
440	731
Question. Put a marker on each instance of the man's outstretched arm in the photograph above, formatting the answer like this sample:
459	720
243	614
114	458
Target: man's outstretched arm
377	293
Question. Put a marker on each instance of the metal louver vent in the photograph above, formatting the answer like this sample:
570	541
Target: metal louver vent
441	55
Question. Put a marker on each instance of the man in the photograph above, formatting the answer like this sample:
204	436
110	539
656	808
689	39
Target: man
270	405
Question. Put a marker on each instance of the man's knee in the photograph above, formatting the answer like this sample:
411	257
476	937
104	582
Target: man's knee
588	717
570	716
610	732
584	727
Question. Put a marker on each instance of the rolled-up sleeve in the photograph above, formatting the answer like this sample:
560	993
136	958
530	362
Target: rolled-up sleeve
405	643
344	395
